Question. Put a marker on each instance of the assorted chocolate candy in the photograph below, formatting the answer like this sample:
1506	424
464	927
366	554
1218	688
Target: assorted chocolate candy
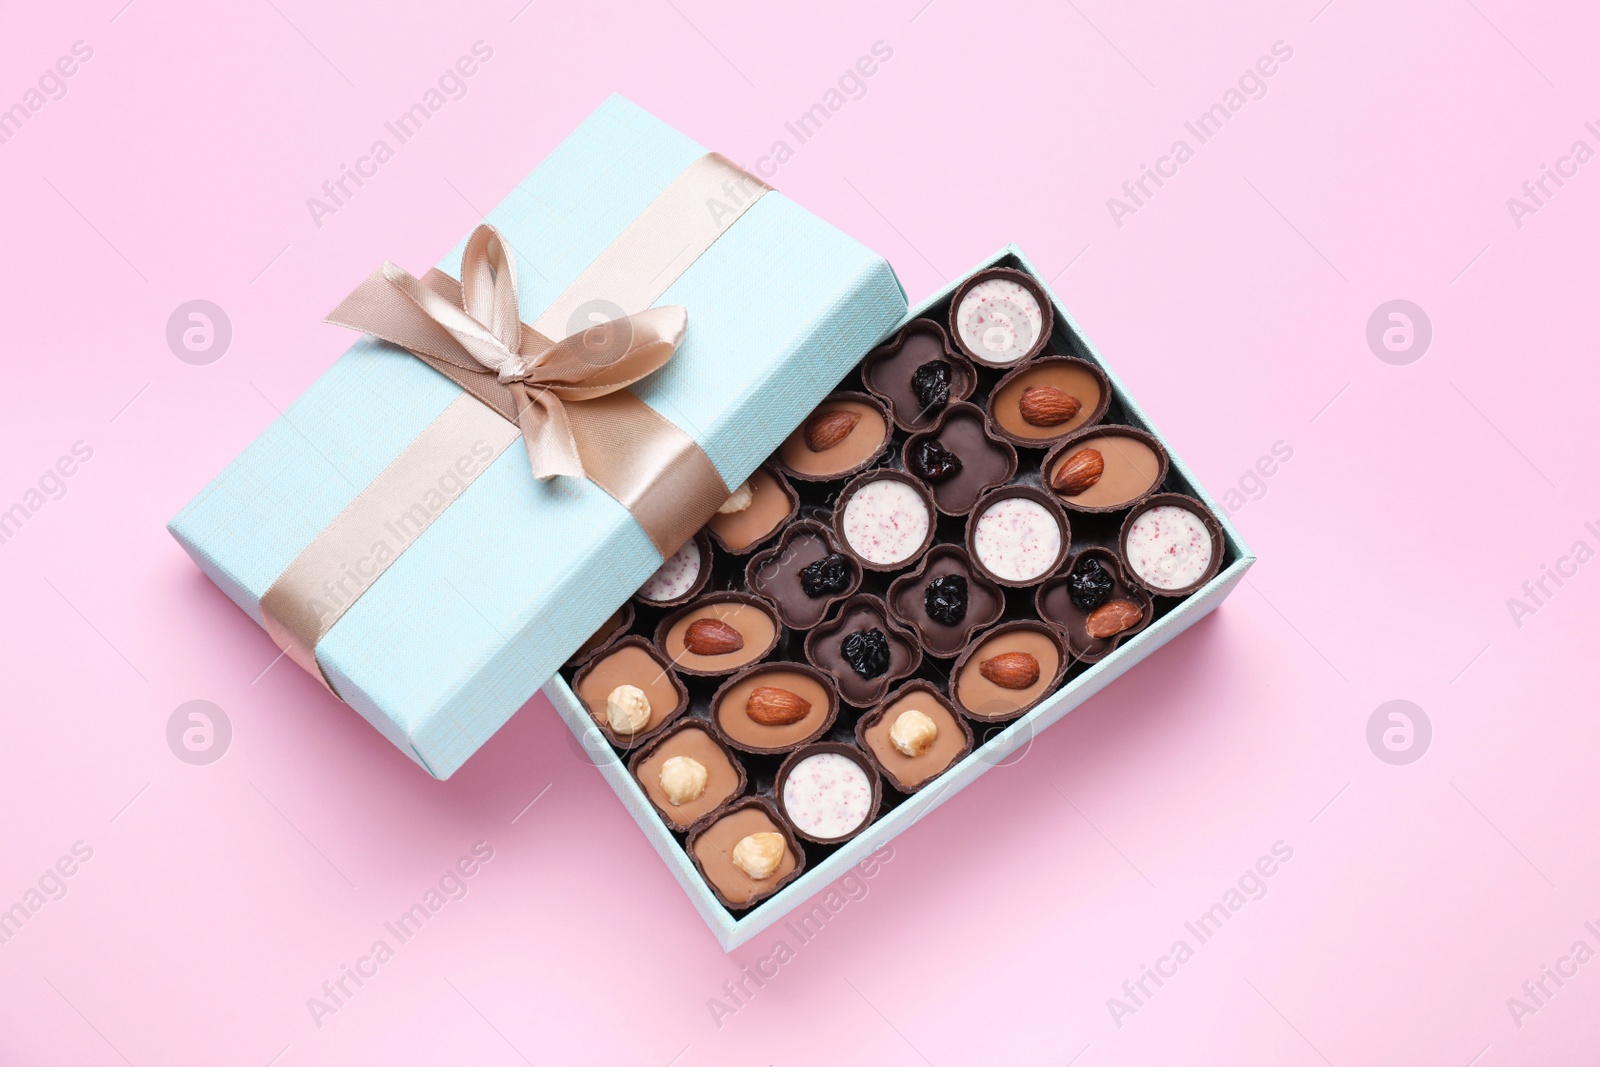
969	521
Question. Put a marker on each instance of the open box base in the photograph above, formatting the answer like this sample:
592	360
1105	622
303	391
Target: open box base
996	743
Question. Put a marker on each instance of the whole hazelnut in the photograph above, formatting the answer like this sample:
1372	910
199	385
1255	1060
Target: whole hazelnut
683	779
740	500
758	855
913	733
627	709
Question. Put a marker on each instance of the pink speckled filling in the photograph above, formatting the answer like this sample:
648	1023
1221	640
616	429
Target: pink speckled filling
676	576
1000	320
827	795
885	521
1017	539
1169	547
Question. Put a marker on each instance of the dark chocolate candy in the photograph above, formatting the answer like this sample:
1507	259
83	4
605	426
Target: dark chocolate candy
826	645
777	574
1058	601
917	374
981	461
911	603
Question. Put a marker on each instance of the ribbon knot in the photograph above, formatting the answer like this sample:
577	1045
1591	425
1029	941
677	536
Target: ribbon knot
472	331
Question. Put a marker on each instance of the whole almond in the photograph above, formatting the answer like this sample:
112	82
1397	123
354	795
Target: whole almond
1112	617
827	428
771	706
1011	670
1045	405
712	637
1078	472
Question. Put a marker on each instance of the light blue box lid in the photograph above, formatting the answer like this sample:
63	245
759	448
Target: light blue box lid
499	591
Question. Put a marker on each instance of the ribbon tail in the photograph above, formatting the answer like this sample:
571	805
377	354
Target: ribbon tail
546	430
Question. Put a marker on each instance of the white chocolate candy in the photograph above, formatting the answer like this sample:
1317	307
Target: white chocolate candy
827	795
758	855
1017	539
886	521
1000	320
683	779
676	575
627	709
913	733
1169	547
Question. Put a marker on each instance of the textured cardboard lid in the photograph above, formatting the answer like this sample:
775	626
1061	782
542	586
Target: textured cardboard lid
503	587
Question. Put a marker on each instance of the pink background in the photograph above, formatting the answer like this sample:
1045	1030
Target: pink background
1234	302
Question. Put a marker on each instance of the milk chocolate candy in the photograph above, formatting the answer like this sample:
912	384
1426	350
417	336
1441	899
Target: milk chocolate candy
952	738
712	843
631	661
700	638
845	434
738	707
690	739
1133	465
985	683
773	504
1058	382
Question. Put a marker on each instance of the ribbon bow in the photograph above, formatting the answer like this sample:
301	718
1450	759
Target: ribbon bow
472	332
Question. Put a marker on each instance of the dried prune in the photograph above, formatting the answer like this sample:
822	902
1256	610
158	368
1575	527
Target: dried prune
1089	585
931	461
931	384
867	652
946	599
828	576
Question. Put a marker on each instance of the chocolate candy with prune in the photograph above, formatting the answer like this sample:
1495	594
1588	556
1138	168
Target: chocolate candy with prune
1095	603
959	459
803	575
863	651
917	374
945	600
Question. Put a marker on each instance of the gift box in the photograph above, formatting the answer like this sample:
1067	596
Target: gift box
459	581
506	575
1100	529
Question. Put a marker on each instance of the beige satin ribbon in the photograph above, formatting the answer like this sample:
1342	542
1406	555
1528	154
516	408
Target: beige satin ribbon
568	397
